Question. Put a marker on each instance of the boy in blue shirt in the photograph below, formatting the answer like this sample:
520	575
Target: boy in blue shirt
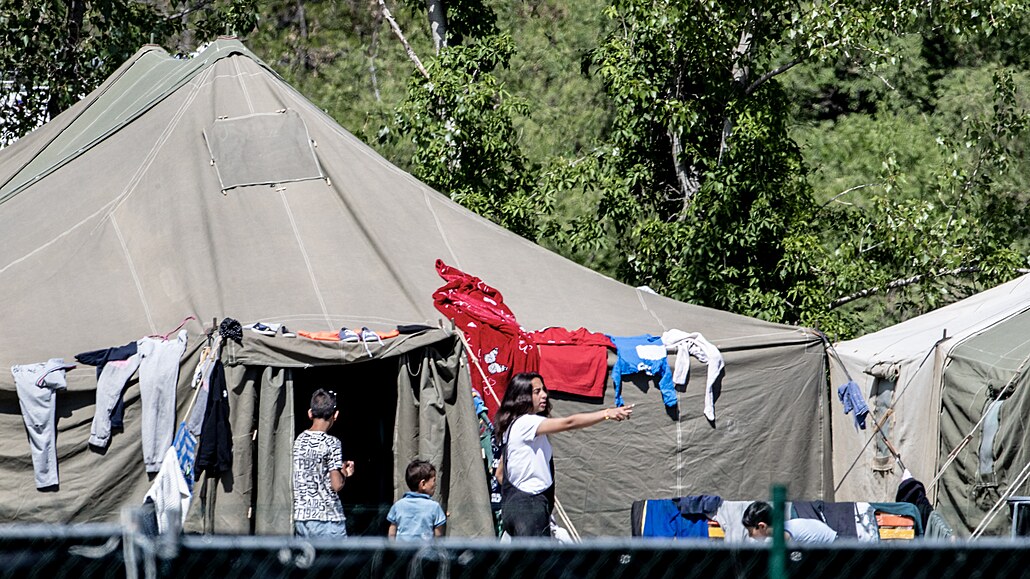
417	516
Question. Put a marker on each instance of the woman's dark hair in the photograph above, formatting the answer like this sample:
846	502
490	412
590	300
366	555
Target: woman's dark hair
518	400
757	512
323	404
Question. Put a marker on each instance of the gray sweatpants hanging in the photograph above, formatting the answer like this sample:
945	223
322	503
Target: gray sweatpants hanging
37	386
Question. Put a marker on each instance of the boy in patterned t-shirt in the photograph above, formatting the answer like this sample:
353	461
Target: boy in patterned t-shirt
319	473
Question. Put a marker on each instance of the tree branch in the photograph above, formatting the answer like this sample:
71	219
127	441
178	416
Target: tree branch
189	10
845	192
899	283
407	47
776	71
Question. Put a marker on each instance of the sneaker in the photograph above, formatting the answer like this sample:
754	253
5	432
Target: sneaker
287	333
367	336
348	335
263	329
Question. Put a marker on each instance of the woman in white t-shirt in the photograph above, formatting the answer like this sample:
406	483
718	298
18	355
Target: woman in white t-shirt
526	471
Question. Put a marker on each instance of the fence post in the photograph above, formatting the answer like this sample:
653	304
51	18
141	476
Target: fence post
778	551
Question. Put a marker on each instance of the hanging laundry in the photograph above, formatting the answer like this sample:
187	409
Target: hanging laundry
707	505
170	493
100	358
694	344
37	386
185	445
838	516
201	382
214	455
903	510
110	387
853	401
643	353
662	518
323	336
573	361
912	491
231	329
158	377
729	518
491	456
498	345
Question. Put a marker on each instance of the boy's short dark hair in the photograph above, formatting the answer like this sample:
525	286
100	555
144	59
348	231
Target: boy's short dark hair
418	471
757	512
323	404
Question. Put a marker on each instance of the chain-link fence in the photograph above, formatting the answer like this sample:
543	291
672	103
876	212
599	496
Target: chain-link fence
117	551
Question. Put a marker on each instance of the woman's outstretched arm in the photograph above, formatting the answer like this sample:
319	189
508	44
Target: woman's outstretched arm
583	419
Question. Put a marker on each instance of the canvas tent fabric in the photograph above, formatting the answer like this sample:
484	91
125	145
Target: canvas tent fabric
943	369
117	225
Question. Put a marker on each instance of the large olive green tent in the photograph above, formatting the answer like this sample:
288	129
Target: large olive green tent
950	381
209	187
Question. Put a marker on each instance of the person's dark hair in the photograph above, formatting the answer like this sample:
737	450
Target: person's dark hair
418	471
757	512
323	404
518	400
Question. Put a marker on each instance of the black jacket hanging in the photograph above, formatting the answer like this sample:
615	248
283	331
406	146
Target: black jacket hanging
214	455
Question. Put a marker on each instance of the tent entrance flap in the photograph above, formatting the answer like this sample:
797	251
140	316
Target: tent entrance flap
366	398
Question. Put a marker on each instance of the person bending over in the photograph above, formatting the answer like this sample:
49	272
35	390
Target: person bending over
757	520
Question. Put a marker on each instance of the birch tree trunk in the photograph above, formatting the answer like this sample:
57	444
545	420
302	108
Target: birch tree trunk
437	23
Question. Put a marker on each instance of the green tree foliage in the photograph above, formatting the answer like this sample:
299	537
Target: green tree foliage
704	189
460	120
922	171
53	52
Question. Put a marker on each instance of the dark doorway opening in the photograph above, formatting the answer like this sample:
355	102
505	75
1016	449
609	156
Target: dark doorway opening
366	397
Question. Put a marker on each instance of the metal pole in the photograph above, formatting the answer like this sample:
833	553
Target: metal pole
778	552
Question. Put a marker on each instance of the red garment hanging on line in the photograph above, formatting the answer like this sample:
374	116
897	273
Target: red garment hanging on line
497	342
573	361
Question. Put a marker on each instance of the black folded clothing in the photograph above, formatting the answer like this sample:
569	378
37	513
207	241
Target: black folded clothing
413	328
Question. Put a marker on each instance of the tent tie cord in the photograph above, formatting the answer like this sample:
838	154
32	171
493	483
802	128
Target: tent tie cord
890	447
564	516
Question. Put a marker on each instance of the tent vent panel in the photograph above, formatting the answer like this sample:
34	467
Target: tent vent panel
262	149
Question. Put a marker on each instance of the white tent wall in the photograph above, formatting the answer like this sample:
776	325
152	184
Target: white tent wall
921	350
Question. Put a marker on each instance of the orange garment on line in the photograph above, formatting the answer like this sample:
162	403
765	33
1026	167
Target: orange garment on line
335	336
323	336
